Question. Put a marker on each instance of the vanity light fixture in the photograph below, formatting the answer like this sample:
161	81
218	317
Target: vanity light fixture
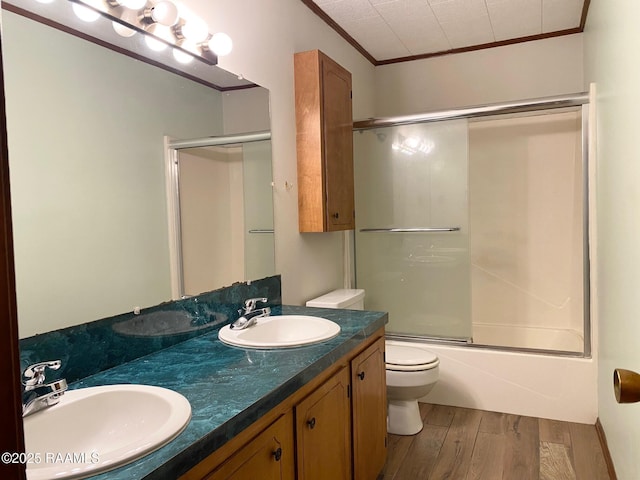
163	24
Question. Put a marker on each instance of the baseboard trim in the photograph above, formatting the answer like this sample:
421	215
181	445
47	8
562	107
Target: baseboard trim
605	450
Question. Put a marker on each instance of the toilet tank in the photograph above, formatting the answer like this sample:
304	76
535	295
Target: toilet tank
349	298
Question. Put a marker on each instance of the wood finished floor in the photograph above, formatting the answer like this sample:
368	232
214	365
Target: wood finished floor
467	444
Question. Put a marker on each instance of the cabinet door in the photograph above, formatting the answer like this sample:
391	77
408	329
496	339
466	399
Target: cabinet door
269	456
324	143
338	145
369	399
323	428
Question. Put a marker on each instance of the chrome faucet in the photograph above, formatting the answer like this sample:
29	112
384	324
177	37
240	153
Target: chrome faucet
37	394
249	314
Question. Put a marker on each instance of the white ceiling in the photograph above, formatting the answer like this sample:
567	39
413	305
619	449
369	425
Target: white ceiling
395	29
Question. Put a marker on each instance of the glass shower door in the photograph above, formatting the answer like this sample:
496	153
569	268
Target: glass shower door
412	238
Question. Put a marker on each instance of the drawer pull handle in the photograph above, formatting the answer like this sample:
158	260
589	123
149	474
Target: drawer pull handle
277	454
361	375
311	423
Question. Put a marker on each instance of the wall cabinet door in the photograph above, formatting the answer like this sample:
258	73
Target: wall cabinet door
269	456
324	137
323	431
369	400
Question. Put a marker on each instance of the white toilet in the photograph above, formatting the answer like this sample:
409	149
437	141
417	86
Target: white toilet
411	374
411	371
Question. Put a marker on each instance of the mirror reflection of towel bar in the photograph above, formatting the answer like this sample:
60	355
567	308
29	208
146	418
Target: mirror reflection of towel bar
411	230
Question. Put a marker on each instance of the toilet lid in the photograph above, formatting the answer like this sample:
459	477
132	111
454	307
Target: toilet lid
409	358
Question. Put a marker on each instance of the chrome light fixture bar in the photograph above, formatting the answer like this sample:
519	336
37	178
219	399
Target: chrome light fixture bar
162	25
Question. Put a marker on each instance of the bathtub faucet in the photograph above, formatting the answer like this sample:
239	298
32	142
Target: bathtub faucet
37	394
249	314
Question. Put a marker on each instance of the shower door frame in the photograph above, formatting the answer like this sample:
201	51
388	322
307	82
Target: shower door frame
524	106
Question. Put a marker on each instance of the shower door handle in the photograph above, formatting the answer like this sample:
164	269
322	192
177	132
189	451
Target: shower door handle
412	230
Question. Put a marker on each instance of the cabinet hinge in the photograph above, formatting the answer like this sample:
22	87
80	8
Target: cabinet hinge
351	94
385	441
348	391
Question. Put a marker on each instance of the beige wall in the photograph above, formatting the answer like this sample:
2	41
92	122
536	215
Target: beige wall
515	72
611	60
266	34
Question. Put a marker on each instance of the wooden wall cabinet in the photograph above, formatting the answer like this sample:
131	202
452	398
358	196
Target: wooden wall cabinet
324	139
334	428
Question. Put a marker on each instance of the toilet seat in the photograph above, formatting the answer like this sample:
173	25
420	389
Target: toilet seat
409	359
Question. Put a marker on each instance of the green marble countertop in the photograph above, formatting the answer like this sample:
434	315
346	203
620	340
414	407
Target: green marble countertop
228	387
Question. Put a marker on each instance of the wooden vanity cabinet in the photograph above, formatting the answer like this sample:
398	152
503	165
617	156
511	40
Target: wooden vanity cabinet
334	427
369	407
269	456
323	431
324	139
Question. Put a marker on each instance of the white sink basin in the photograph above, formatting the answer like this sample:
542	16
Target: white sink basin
92	430
282	331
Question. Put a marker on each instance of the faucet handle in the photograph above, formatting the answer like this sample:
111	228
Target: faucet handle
34	374
250	303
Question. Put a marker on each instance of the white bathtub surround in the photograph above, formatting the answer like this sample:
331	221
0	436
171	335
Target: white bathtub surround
544	386
526	218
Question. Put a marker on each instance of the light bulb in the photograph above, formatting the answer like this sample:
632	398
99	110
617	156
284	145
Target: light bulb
129	17
122	30
155	44
85	13
182	57
220	44
195	30
44	1
165	13
159	31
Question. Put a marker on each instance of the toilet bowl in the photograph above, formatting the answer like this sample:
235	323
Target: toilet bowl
411	374
411	371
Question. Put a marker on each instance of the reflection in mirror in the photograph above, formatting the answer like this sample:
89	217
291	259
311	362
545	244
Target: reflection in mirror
222	242
86	128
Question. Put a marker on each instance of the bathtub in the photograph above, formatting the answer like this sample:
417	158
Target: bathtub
520	383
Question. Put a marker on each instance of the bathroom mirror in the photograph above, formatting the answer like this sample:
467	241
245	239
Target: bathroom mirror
200	171
86	130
